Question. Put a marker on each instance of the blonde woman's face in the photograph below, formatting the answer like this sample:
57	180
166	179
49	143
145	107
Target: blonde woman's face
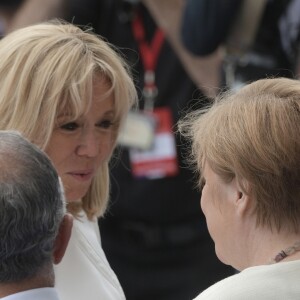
78	148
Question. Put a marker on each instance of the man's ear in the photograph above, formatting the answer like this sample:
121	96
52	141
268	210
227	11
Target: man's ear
62	239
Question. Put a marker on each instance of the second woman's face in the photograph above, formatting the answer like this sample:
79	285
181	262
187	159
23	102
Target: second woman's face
78	148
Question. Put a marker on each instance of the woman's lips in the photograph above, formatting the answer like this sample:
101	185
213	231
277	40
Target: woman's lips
85	175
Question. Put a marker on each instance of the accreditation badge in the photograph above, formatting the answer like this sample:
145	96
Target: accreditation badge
138	131
161	160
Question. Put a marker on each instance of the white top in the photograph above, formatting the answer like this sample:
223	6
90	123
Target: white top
35	294
84	272
280	281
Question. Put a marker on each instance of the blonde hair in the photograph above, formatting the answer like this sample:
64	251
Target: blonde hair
48	69
254	136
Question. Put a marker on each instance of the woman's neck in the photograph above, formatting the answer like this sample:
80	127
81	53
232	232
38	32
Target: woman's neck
264	245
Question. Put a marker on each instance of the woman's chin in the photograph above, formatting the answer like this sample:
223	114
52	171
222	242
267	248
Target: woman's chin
75	195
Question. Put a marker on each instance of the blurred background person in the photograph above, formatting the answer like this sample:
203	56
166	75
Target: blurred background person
154	234
68	92
34	226
246	149
249	31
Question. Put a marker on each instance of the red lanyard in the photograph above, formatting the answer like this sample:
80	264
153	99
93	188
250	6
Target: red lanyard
149	54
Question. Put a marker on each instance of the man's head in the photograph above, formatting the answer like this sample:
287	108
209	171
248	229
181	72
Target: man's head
34	229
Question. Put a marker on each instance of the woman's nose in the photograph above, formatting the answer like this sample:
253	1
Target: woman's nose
89	144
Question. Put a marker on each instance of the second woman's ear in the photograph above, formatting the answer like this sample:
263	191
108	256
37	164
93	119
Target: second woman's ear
243	201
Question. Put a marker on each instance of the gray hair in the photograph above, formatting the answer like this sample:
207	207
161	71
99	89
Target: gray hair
31	208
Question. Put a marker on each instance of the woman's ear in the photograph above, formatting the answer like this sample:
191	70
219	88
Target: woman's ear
243	201
62	239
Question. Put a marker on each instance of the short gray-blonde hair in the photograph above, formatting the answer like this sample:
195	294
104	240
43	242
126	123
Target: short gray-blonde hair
254	135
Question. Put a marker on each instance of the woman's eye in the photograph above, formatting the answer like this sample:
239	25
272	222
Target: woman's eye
69	126
106	124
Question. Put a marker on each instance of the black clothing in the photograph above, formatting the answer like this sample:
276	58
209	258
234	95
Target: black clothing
206	24
10	2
